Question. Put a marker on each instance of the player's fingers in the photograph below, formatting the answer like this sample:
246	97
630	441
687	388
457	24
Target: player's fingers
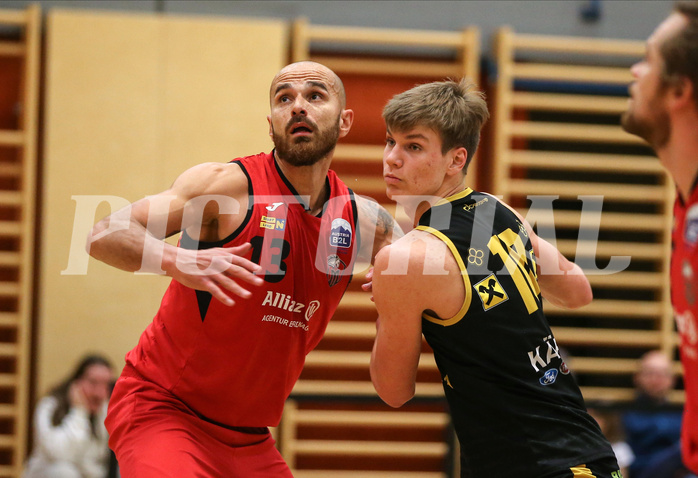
243	272
218	293
234	255
229	284
242	249
246	264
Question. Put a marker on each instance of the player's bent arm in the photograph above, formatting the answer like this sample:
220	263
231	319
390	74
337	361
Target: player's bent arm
122	238
562	283
398	343
377	228
131	239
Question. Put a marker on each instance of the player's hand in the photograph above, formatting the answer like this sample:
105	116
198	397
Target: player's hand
368	285
218	271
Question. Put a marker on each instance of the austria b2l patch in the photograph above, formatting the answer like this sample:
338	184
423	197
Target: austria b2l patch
340	235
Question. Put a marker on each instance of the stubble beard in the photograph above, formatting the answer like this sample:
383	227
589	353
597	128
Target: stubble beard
655	129
303	150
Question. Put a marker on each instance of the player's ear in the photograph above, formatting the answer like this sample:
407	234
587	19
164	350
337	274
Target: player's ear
346	119
459	158
271	129
682	92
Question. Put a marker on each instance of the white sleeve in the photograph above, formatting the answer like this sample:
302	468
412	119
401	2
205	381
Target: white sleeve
624	454
68	440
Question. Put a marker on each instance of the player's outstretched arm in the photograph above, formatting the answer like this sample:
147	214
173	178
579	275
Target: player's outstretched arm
131	239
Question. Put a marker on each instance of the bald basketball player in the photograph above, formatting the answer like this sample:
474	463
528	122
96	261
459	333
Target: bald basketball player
266	252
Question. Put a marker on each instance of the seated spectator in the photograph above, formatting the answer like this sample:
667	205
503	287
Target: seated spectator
70	440
652	425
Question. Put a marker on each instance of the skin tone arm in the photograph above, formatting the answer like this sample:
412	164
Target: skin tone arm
131	239
377	228
400	299
562	283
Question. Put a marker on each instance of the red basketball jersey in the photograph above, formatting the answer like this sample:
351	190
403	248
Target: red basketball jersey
237	365
684	297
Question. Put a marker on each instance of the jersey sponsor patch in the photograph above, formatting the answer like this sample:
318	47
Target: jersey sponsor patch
340	236
549	377
471	206
272	223
476	256
313	306
690	230
564	369
491	292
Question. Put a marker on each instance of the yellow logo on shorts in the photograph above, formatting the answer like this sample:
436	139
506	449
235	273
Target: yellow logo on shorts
491	292
581	470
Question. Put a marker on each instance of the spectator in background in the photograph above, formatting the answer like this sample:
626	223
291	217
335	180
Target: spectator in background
70	440
652	424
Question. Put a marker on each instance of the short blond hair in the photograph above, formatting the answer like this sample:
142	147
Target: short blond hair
455	110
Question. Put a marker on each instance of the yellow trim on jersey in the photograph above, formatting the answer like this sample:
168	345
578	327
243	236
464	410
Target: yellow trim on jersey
464	273
465	192
582	470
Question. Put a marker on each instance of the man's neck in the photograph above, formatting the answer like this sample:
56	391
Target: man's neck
448	189
680	157
308	181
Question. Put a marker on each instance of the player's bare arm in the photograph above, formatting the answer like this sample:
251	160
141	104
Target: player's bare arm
131	239
562	282
433	284
377	228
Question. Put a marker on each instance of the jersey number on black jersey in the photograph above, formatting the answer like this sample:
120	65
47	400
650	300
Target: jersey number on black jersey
521	265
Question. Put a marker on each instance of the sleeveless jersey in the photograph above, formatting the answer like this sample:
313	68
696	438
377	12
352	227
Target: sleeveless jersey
684	298
235	366
516	409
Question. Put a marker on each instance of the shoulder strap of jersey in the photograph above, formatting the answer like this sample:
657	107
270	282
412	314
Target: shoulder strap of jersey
464	274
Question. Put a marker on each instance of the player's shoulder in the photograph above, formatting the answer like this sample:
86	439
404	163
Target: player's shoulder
214	169
213	178
498	202
412	250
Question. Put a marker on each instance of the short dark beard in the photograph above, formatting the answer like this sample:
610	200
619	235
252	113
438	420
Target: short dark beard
304	151
656	131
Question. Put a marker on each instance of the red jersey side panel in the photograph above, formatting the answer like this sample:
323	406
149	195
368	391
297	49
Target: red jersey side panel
237	365
684	297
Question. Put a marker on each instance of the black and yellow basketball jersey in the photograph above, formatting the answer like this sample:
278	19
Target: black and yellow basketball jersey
516	409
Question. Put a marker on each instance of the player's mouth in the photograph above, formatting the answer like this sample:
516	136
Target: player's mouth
390	179
300	129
